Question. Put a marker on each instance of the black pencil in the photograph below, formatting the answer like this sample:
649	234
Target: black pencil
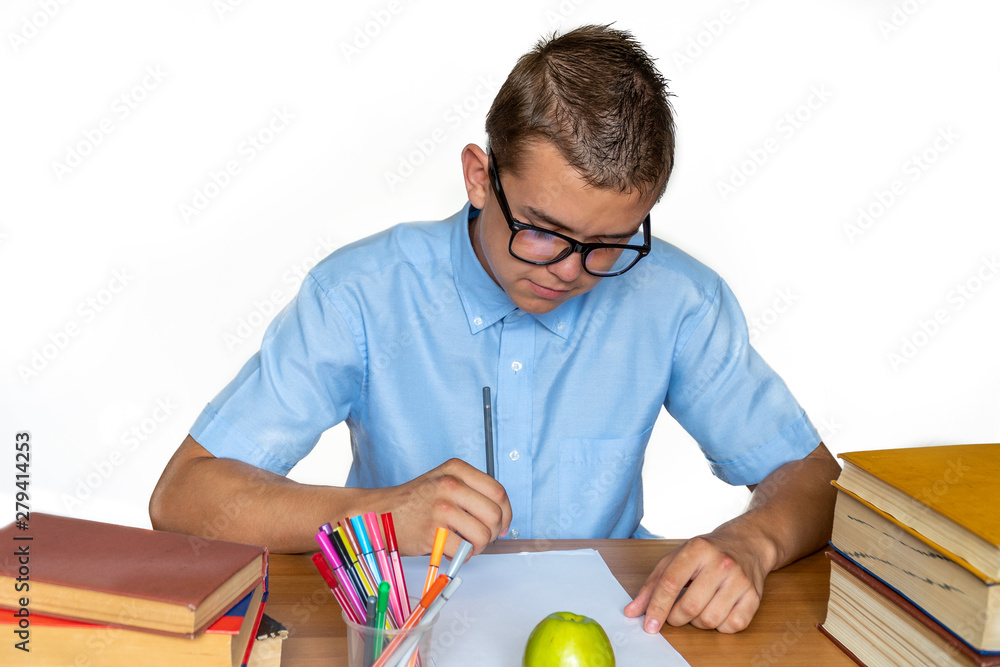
488	425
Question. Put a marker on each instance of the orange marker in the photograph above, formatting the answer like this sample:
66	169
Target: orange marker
418	613
440	537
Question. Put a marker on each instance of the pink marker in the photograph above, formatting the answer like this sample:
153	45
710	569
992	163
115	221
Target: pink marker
397	566
384	566
337	566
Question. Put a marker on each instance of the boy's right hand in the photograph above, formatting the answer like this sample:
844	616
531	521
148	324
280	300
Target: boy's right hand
456	496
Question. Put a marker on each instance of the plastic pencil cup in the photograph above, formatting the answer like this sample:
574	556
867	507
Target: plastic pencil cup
362	641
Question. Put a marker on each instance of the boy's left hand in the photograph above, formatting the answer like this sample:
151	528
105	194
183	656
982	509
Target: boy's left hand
724	587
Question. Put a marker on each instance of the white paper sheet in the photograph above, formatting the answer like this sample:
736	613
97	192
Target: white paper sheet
503	597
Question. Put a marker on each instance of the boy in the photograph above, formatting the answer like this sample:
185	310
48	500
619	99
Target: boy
547	287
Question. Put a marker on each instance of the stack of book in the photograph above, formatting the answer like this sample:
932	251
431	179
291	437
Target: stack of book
916	560
80	592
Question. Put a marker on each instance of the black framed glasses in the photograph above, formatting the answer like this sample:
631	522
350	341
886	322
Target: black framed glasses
542	247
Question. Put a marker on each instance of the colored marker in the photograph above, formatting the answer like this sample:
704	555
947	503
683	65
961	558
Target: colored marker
350	565
370	625
380	608
488	427
385	567
408	649
397	566
354	548
440	537
361	534
418	613
338	591
360	565
348	531
342	575
464	549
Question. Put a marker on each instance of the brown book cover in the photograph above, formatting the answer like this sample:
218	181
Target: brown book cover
135	577
983	660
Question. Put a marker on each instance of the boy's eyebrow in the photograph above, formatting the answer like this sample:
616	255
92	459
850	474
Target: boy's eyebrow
546	218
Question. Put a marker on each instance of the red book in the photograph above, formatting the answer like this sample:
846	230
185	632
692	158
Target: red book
875	625
121	575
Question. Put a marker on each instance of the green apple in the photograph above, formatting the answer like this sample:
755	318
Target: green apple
564	639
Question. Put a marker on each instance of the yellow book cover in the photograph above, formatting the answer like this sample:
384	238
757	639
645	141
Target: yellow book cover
948	494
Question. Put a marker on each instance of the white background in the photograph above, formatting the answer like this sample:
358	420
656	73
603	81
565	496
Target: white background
122	316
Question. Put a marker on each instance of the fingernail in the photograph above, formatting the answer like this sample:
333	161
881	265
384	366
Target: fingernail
652	626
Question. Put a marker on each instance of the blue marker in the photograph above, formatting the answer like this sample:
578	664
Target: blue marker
358	523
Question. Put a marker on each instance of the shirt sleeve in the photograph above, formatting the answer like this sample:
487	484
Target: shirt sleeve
733	404
305	378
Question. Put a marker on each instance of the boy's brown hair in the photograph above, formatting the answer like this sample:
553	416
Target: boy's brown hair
596	94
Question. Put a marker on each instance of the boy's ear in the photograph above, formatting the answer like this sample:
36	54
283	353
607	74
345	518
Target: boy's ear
475	169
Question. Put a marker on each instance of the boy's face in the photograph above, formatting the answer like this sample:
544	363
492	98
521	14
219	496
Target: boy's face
545	192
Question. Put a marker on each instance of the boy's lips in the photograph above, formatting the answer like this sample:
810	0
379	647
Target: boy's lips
547	292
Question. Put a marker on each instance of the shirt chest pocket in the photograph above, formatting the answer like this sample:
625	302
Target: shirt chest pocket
599	486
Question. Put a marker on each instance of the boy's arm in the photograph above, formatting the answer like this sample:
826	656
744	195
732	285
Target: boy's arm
202	495
790	515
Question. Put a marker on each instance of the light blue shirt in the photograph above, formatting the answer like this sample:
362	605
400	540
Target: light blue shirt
398	333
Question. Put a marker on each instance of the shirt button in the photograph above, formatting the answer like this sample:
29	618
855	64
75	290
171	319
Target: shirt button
514	533
477	321
515	455
561	326
516	366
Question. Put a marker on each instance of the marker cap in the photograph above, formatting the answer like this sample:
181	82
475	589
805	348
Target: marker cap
464	549
371	521
324	570
440	537
434	590
390	532
361	534
329	549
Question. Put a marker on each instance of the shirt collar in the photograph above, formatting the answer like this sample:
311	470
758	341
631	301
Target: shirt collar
485	303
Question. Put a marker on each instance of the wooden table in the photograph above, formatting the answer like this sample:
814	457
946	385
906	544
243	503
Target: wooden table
783	632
